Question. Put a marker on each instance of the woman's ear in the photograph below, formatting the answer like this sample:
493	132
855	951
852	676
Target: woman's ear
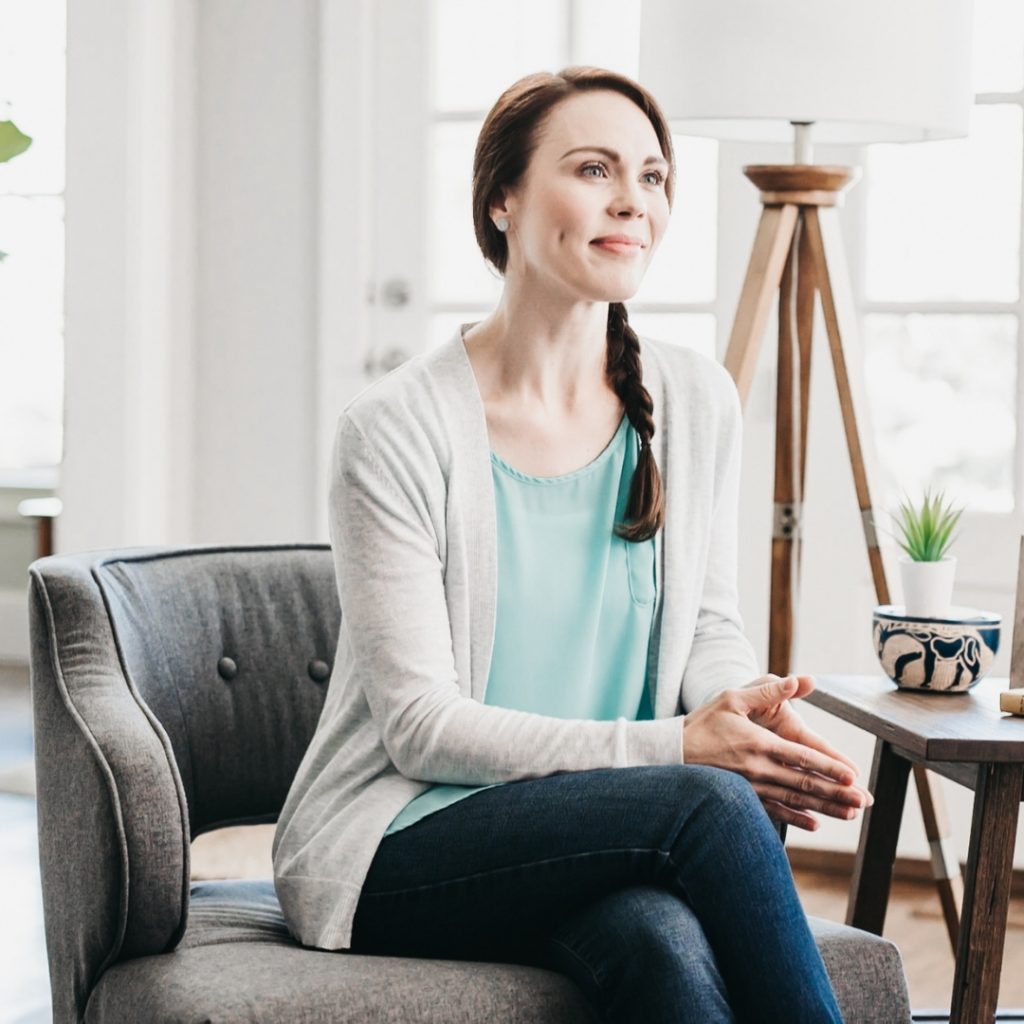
501	205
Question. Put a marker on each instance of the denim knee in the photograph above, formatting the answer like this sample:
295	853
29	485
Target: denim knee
730	795
726	785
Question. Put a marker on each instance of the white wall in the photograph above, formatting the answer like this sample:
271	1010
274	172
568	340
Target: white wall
191	273
128	323
256	252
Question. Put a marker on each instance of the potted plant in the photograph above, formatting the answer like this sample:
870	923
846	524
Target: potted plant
927	570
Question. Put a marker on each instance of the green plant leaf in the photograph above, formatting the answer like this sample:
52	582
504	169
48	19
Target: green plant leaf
926	528
13	141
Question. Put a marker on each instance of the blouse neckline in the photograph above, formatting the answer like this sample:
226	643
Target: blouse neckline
575	474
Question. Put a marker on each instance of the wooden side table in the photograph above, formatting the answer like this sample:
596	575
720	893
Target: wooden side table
963	737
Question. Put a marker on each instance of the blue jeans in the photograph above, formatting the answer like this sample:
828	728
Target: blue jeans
662	891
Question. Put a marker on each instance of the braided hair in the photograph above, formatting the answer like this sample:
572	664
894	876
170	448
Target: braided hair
645	510
506	142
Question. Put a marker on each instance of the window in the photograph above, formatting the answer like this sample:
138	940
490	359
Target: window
32	235
942	304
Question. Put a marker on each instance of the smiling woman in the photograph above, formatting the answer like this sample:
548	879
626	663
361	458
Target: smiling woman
559	216
547	730
677	298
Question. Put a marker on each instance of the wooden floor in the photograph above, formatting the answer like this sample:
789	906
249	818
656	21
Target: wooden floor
913	922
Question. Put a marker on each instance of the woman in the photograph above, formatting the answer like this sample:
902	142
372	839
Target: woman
534	529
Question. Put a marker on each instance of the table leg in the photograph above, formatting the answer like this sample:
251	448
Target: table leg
979	955
876	853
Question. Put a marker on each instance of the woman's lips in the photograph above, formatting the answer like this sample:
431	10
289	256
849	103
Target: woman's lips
623	248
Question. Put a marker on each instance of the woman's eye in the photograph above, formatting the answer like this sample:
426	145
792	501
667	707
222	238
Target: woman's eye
656	175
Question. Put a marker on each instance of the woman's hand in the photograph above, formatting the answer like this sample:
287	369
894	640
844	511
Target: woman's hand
783	719
753	731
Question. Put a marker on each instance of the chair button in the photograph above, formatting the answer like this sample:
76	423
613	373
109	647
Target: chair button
319	671
227	668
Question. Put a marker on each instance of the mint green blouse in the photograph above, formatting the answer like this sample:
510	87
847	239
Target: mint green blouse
575	601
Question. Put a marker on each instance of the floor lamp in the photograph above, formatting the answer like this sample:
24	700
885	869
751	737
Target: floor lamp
874	71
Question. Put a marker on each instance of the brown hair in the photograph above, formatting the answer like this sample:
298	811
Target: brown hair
507	141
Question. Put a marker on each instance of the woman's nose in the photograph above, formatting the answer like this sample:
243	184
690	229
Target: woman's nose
630	201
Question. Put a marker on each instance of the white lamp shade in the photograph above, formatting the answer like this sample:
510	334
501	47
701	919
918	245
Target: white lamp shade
860	70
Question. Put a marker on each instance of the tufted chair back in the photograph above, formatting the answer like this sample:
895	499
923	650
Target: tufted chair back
174	691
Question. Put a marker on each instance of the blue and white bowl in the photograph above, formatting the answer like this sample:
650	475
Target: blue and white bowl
947	655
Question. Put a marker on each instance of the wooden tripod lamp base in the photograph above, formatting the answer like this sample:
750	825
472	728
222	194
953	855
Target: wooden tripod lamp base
797	255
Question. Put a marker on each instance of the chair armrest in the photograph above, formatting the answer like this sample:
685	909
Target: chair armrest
112	816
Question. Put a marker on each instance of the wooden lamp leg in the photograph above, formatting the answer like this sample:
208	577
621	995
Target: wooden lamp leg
764	273
786	517
806	290
945	866
837	304
844	342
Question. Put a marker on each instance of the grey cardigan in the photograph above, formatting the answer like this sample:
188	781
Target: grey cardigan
413	530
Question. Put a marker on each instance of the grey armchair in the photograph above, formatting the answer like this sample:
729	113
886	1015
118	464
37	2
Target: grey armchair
175	692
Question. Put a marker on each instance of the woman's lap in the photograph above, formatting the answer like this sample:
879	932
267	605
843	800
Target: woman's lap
578	871
485	876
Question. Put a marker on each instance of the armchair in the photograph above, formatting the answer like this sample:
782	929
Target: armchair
174	692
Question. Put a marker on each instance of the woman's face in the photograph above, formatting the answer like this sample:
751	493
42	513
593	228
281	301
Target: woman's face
597	172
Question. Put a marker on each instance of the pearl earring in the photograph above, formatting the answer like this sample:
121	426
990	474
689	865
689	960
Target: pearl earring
501	223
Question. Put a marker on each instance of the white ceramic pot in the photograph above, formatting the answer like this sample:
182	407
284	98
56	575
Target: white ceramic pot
928	587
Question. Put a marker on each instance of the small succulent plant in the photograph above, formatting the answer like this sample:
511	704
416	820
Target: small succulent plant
926	529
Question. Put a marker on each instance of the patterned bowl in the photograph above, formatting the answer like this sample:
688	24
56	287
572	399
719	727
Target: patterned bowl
947	655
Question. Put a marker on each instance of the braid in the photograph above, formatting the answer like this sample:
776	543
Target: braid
645	510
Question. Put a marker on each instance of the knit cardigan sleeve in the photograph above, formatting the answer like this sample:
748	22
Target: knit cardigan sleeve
721	656
390	580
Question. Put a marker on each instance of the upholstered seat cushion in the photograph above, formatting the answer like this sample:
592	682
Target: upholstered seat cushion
237	962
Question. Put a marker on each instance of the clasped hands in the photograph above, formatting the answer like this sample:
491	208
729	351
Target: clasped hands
753	730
